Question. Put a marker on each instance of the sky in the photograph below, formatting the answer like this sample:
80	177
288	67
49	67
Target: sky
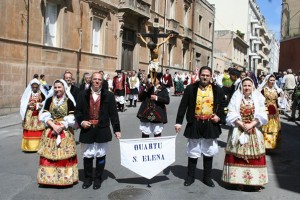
271	9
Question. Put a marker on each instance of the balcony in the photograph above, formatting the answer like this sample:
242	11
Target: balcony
254	21
263	55
187	33
173	25
140	8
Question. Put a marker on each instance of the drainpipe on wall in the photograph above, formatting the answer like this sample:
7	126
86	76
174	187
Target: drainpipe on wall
192	50
80	45
27	44
213	39
164	47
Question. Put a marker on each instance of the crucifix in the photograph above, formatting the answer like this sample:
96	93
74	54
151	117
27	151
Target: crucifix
153	46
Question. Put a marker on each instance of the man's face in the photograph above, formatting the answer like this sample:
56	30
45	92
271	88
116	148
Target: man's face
68	78
88	79
167	71
96	81
233	78
35	88
205	77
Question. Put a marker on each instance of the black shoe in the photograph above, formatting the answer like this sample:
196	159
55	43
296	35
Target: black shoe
208	182
86	184
189	181
291	119
298	119
97	184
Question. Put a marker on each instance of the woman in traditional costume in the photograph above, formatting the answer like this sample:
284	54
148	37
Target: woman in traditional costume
58	158
31	103
272	130
245	161
179	84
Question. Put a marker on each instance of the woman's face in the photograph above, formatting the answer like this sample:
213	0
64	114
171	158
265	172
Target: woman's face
271	81
247	88
34	87
243	75
59	89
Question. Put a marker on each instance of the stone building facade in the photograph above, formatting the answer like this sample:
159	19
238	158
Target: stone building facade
227	44
290	36
52	36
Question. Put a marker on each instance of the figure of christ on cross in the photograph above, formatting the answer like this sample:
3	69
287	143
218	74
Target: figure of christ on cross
153	47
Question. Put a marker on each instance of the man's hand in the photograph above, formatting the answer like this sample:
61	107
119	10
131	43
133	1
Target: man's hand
177	128
86	124
118	135
215	118
153	97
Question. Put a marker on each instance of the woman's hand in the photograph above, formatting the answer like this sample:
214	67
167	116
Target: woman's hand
57	128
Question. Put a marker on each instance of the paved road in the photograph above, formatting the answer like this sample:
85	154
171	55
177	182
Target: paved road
18	170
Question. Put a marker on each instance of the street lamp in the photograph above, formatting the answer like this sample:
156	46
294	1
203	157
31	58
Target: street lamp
288	17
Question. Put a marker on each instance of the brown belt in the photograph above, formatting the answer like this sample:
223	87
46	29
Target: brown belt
203	117
94	123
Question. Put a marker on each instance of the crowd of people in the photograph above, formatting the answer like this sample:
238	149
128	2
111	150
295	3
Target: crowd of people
249	106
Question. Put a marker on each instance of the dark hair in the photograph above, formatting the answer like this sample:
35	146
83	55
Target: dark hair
272	75
247	79
42	76
205	68
58	81
234	72
35	76
151	45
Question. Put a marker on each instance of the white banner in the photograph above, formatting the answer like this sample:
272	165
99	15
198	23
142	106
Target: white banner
147	156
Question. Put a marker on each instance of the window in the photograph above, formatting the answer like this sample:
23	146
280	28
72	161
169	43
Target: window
153	5
96	35
186	17
170	53
198	55
172	9
208	61
184	50
200	23
210	30
50	24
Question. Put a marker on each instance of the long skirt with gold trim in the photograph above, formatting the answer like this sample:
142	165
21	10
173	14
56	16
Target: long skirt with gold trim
245	164
272	132
58	163
32	131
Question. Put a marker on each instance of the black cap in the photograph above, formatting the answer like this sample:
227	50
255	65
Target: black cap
118	71
234	71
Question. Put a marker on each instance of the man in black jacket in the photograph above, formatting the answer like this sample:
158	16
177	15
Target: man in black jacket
95	109
72	88
203	104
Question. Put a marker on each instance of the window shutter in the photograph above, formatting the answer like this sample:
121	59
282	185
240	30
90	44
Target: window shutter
96	35
51	24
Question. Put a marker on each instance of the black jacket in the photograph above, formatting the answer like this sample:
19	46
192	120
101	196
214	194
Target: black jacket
160	105
108	114
74	91
187	106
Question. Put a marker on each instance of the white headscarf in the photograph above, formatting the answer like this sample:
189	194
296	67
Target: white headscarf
264	84
67	93
235	102
26	96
